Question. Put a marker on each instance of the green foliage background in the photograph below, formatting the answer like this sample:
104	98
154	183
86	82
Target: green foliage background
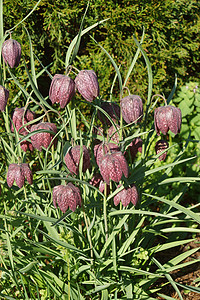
171	38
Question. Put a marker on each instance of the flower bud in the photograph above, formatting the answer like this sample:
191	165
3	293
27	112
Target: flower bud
11	52
167	118
62	90
132	109
4	94
87	84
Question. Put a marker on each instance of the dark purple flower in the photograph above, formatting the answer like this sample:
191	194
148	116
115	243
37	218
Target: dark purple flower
18	173
11	52
72	159
126	196
167	118
62	90
132	108
103	148
113	133
66	196
25	145
4	94
134	147
87	84
112	166
112	109
43	138
161	146
97	181
21	117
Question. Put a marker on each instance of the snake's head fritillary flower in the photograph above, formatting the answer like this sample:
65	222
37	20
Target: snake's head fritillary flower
11	52
66	196
98	182
127	195
167	118
112	166
103	148
87	84
62	89
21	117
18	173
132	108
112	109
72	159
4	94
161	146
134	147
43	139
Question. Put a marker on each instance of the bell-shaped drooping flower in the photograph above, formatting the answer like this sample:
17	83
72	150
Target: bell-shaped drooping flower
161	146
43	139
11	52
134	147
167	118
87	84
62	89
127	195
18	173
66	196
98	182
103	148
21	117
113	133
132	108
25	145
112	166
112	109
72	159
4	94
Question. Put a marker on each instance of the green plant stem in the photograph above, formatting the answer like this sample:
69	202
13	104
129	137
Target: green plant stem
104	211
87	227
68	274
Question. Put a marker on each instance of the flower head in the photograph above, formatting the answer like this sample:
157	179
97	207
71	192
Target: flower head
66	196
103	148
72	159
11	52
126	196
87	84
4	94
161	146
112	166
132	108
167	118
62	89
112	109
18	173
43	138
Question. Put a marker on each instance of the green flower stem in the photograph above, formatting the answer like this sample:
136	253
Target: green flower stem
68	274
104	211
87	227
